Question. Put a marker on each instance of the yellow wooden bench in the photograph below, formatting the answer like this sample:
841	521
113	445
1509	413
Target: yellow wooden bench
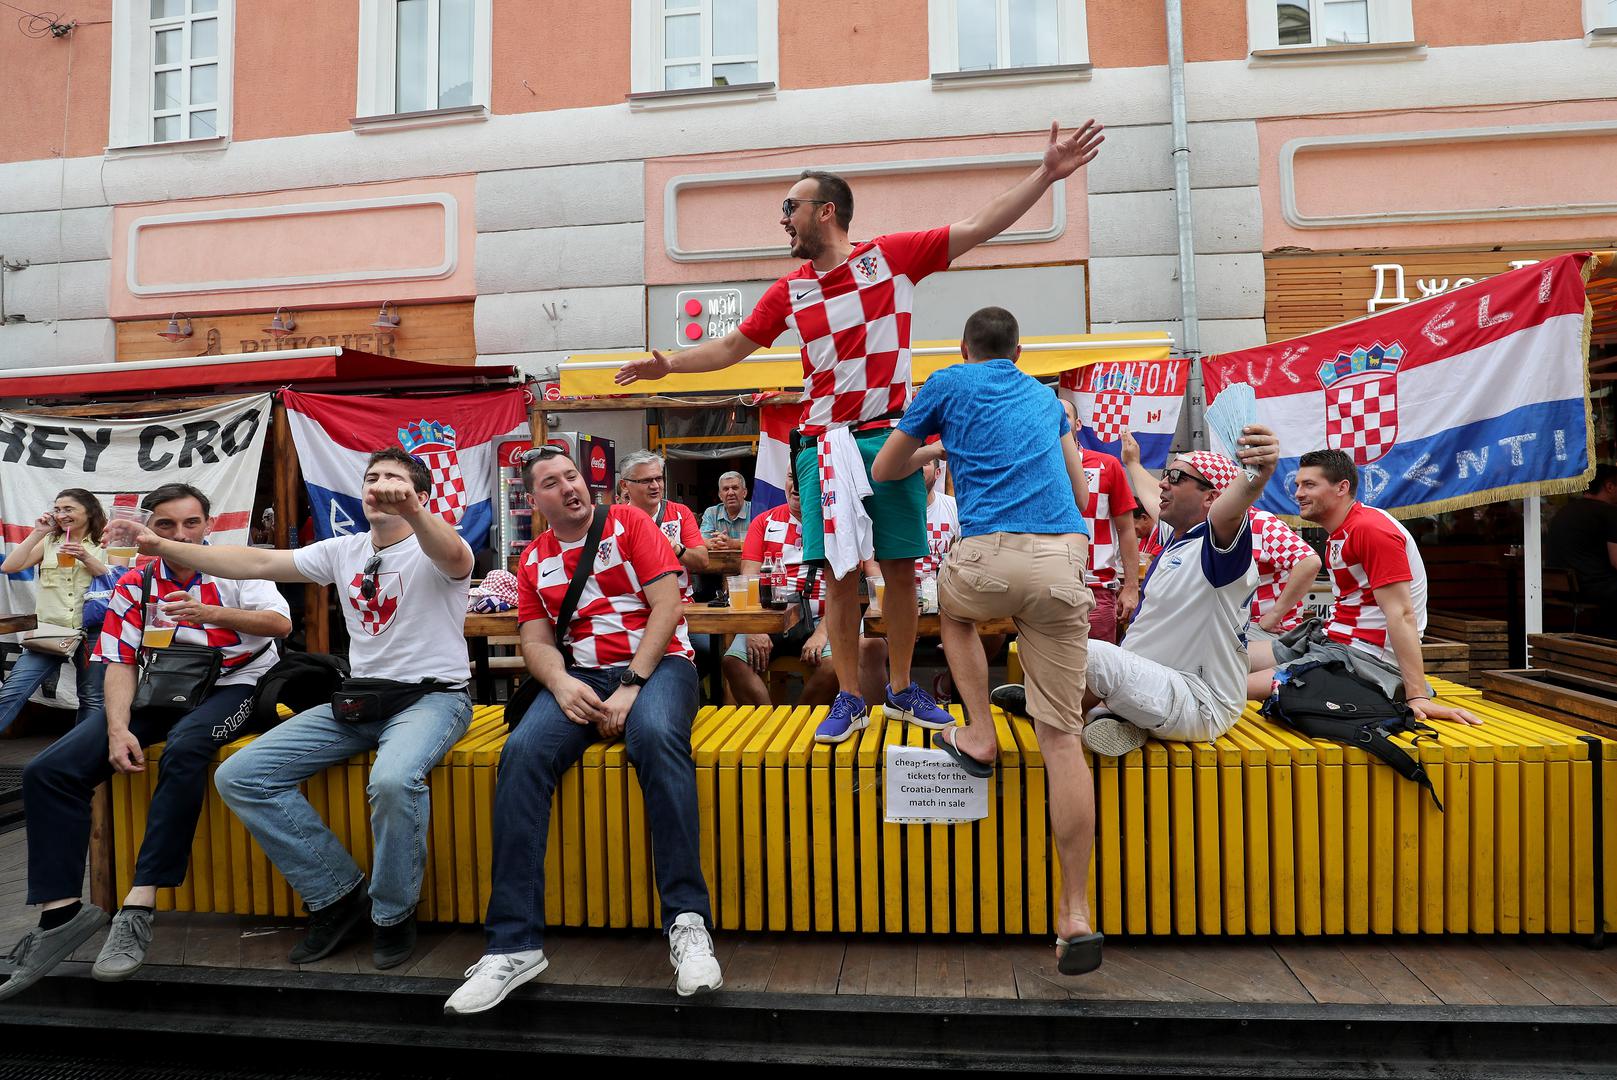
1261	832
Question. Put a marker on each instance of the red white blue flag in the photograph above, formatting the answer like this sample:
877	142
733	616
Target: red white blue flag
1468	397
775	426
1143	398
453	436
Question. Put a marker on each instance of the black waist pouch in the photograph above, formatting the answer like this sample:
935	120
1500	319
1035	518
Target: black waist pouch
361	701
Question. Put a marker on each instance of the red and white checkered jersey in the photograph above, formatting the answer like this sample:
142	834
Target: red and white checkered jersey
612	612
1109	497
942	530
1277	548
677	522
855	324
1368	551
120	633
401	631
779	534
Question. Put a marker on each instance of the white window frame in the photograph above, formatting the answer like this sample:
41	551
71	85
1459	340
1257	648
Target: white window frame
378	56
131	120
1392	22
1599	17
943	21
646	47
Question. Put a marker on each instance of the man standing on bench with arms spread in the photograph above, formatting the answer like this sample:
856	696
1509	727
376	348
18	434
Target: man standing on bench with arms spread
851	305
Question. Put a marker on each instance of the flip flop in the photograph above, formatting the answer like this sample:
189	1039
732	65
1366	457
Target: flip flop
982	770
1080	955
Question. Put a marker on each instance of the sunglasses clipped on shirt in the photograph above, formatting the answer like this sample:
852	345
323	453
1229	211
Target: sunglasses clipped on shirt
367	579
1179	476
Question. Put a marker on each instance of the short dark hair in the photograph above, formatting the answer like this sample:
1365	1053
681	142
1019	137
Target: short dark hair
420	475
1335	464
834	190
991	334
1604	474
170	492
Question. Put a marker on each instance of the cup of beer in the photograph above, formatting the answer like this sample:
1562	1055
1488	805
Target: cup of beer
753	600
158	630
737	587
124	554
876	587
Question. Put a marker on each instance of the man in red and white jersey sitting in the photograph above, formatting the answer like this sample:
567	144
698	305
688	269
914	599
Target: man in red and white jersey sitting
620	666
1378	584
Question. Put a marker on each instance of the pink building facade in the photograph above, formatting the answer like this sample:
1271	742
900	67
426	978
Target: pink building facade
558	177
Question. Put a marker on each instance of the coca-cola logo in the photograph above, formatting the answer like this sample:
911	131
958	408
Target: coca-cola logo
511	452
597	464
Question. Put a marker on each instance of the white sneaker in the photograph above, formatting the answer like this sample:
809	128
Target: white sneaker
493	977
690	950
1112	736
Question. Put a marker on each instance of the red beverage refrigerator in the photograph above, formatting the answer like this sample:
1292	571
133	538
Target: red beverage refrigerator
513	522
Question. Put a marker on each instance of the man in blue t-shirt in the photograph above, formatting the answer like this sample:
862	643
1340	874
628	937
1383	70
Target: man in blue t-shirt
1019	485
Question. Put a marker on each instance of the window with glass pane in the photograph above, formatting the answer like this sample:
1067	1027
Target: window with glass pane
432	63
1323	22
708	43
185	69
994	34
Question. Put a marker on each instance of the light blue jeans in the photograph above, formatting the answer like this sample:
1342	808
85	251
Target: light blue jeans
32	669
261	782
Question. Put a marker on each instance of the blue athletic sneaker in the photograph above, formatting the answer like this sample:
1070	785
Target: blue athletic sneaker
914	705
848	715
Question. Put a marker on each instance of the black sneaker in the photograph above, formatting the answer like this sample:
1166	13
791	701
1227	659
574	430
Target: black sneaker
1011	697
392	945
331	926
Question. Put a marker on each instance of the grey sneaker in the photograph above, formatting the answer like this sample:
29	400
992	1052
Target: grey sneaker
127	942
37	951
1112	736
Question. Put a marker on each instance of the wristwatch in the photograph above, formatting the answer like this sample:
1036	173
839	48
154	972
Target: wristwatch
632	678
679	550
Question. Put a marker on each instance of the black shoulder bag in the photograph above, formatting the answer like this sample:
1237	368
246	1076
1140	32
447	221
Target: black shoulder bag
1324	699
527	693
793	640
180	677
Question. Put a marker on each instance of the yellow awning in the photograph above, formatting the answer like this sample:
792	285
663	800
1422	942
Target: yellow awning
590	374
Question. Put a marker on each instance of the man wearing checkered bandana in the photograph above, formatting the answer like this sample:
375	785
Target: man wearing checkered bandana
851	303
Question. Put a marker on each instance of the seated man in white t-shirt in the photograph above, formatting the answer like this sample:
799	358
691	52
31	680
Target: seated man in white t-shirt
1180	674
402	589
1378	591
778	533
620	666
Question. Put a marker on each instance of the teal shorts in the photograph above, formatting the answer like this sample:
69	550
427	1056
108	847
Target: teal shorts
738	648
897	508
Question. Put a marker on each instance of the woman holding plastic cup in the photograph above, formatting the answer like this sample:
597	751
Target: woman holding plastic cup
65	546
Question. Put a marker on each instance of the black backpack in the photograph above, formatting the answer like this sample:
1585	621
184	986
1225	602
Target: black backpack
1324	699
300	681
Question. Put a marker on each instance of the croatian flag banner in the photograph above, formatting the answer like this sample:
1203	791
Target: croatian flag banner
1142	398
1469	397
775	426
453	436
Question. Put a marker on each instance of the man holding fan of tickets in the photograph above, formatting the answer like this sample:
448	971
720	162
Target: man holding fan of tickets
851	303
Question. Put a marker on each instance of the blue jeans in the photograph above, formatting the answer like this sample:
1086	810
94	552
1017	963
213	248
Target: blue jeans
32	669
260	783
545	745
58	784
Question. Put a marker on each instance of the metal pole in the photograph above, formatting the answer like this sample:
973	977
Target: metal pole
1187	248
1532	571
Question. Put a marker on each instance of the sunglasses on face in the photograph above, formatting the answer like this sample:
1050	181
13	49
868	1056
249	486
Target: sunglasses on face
1179	476
788	207
367	580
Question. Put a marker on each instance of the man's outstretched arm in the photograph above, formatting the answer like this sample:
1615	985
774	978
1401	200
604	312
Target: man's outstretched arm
732	348
1062	158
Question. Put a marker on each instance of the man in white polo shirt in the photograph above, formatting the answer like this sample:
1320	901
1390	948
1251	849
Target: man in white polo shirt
1180	674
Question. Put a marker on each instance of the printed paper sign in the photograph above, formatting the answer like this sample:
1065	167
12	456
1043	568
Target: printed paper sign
926	787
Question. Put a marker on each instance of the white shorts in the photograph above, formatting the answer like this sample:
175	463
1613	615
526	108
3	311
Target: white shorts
1151	696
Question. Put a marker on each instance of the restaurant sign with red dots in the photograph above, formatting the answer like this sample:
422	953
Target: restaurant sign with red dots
706	314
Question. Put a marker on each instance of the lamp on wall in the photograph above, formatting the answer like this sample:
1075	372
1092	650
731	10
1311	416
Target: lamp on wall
174	331
388	317
282	325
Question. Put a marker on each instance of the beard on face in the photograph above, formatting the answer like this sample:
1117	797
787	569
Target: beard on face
807	244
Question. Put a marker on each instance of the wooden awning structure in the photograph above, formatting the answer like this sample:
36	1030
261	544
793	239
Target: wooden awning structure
590	374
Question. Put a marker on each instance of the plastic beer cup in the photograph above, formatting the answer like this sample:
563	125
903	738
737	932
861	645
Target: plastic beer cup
158	629
737	587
